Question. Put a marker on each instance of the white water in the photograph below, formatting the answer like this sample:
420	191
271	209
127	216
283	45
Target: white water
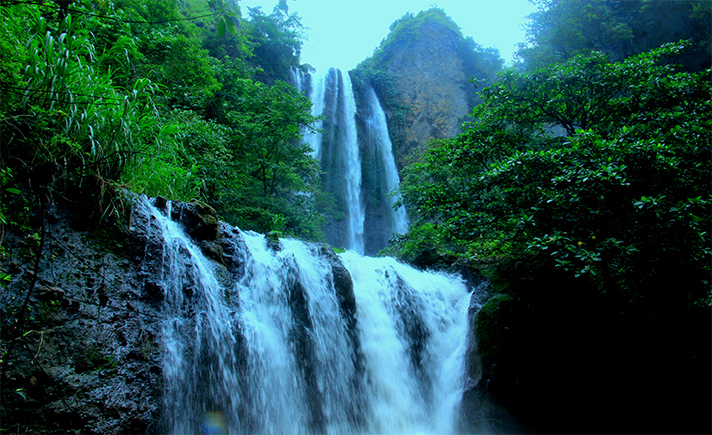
262	345
412	327
353	168
316	96
341	157
377	129
297	78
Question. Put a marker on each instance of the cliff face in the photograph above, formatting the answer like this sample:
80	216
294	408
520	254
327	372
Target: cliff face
83	356
421	73
83	317
431	82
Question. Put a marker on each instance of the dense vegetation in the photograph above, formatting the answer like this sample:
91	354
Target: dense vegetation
184	99
581	190
561	29
636	147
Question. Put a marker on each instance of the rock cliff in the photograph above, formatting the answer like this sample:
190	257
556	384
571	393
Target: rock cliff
422	74
82	315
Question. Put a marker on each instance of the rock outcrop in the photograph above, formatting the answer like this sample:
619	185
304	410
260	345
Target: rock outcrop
421	73
431	83
88	357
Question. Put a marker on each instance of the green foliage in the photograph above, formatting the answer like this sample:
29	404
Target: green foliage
276	41
225	22
622	205
423	247
166	51
598	241
562	29
122	95
165	169
70	121
577	94
251	161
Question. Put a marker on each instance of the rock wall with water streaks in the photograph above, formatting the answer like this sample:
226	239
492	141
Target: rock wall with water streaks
421	73
179	323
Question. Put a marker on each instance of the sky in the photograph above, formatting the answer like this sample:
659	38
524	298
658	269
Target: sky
342	33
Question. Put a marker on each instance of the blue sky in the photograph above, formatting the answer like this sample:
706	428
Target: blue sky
342	33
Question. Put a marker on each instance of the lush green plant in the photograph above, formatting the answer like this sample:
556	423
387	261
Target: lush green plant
251	161
598	239
115	94
562	29
276	41
622	204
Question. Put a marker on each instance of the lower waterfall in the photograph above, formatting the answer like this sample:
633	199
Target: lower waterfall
288	337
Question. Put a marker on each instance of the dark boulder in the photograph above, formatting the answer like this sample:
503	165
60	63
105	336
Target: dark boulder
343	284
199	220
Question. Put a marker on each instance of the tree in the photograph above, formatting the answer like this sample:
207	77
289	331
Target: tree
600	240
77	121
276	41
577	94
253	162
636	131
562	29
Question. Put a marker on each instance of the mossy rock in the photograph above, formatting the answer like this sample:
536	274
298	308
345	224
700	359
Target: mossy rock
501	331
198	218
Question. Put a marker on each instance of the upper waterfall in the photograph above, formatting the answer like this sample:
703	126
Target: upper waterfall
349	142
336	146
377	133
356	155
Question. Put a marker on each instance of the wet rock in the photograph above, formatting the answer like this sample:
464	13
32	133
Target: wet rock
199	219
343	284
50	294
70	371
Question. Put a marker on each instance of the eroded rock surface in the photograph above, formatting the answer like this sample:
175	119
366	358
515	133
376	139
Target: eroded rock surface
88	357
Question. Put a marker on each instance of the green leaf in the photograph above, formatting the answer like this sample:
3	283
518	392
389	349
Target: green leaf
21	392
230	25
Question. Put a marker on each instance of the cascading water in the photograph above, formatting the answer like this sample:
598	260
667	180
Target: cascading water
353	167
298	79
279	339
412	327
361	185
315	88
385	174
337	149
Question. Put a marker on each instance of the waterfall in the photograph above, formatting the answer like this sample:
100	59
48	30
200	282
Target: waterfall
353	167
298	79
317	98
337	148
412	327
359	169
291	338
380	142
